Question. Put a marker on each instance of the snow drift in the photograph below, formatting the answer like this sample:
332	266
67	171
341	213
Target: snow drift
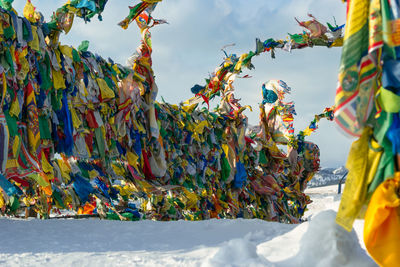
89	242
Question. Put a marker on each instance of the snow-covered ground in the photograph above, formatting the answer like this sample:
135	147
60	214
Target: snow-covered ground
91	242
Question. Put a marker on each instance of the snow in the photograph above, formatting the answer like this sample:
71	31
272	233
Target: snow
327	244
91	242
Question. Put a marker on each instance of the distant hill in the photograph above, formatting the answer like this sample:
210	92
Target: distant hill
327	176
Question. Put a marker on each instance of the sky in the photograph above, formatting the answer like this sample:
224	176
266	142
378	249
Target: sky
188	49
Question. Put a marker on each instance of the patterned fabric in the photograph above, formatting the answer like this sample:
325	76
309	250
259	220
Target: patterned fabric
4	138
279	114
359	66
33	120
178	163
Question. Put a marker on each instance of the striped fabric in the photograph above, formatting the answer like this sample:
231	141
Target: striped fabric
359	66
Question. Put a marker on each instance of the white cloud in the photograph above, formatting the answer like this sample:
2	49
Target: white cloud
224	6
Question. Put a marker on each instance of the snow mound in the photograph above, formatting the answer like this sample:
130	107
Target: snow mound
327	244
237	252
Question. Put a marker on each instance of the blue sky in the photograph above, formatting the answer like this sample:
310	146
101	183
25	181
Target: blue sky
188	49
